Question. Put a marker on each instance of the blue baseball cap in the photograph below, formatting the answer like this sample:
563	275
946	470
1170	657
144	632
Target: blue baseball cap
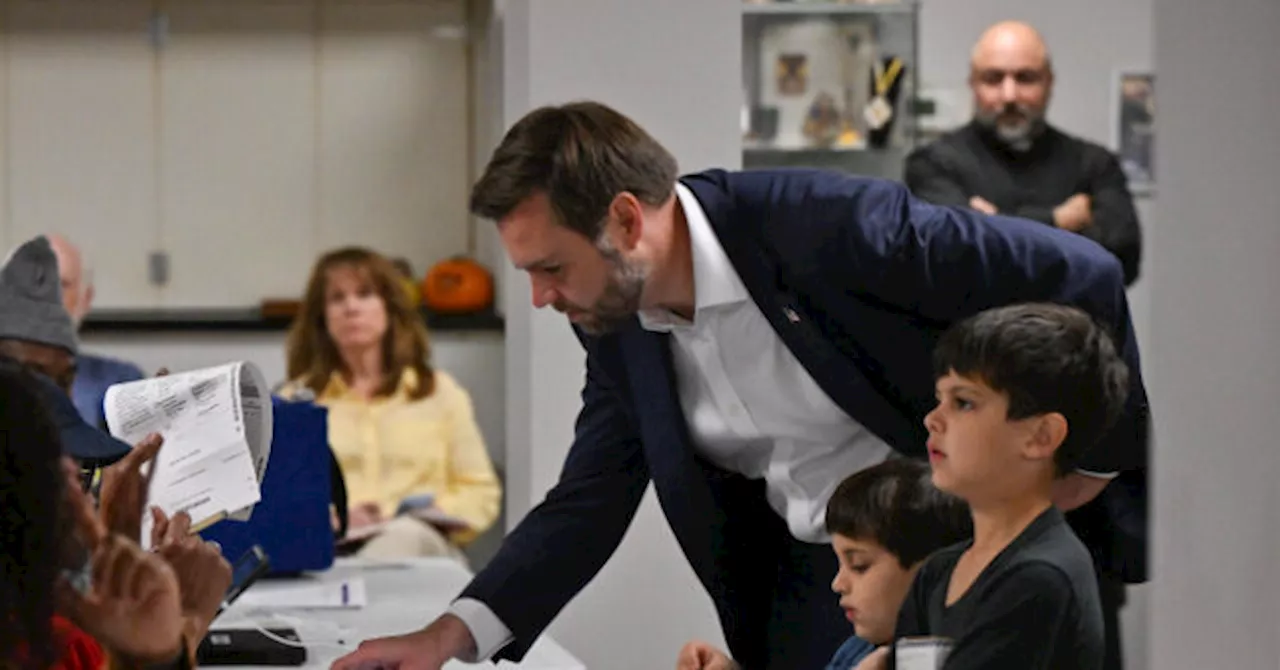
81	441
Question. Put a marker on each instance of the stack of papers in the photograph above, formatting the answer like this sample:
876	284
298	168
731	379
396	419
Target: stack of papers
216	425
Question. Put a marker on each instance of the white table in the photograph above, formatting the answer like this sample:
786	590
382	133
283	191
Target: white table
402	596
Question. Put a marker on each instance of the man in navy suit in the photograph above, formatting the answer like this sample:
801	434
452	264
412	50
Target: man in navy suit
752	338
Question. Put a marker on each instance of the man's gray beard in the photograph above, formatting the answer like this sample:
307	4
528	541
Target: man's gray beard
621	298
1018	138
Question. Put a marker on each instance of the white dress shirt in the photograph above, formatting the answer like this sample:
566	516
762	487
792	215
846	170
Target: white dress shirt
751	407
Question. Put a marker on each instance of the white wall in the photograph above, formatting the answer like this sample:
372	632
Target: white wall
673	66
1216	311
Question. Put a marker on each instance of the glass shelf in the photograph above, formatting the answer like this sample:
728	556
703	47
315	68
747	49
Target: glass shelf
829	84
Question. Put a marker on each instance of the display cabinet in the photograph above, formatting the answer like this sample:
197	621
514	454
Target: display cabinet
830	84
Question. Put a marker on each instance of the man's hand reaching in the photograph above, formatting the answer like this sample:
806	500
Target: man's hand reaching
428	649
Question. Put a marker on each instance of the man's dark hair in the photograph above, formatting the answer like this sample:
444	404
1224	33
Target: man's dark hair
1045	358
581	155
32	522
896	505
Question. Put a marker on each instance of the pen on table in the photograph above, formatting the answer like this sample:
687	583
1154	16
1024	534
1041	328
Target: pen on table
344	594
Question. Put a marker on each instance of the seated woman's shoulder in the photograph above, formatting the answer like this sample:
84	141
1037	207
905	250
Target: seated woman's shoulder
445	385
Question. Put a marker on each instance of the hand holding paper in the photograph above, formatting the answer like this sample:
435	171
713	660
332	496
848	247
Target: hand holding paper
216	425
123	499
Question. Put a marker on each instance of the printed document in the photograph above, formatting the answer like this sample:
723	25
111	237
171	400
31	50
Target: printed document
216	425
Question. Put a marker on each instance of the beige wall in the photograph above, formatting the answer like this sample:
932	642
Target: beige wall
256	136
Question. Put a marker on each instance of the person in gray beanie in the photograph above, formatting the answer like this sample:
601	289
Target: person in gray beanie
34	326
37	332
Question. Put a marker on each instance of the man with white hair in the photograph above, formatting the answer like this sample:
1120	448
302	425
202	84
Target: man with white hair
94	374
1008	160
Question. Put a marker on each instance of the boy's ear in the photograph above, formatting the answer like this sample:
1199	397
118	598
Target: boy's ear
1048	433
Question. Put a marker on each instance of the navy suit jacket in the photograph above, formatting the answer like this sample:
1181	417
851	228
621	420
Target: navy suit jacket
859	279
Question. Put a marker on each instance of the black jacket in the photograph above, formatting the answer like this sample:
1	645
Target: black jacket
968	162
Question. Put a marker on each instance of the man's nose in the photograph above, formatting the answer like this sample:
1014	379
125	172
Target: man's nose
543	294
1009	90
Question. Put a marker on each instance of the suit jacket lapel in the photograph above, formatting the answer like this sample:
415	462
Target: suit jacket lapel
842	379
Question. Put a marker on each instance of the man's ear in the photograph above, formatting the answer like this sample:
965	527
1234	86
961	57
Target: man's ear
1047	433
627	215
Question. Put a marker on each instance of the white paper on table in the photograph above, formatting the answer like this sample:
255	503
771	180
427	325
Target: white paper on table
345	594
216	424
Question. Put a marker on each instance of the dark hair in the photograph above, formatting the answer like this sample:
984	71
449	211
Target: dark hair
581	155
31	521
1045	358
896	505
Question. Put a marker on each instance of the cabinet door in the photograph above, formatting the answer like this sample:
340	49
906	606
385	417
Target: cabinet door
80	142
394	128
238	130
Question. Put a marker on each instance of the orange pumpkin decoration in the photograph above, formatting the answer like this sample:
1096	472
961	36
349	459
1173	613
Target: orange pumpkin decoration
458	285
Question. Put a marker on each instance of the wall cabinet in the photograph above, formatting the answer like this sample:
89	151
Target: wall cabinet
205	153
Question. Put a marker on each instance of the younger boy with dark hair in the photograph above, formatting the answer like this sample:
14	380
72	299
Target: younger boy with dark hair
883	521
1023	392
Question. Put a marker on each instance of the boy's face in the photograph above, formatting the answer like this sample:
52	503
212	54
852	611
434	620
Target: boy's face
976	450
872	584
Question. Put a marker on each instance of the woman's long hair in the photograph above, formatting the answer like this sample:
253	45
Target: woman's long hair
33	525
312	354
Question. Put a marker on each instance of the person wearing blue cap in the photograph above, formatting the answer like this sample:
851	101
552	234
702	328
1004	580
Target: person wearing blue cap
72	590
85	595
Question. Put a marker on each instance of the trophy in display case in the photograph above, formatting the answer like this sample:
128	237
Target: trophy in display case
824	123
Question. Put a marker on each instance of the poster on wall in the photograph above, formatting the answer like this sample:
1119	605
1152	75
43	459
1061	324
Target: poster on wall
1134	135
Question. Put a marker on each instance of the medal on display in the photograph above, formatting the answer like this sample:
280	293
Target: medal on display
879	112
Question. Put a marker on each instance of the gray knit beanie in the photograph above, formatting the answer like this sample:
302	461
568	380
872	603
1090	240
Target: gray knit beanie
31	298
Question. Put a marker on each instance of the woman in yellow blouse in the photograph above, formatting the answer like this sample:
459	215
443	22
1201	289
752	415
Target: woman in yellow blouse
417	472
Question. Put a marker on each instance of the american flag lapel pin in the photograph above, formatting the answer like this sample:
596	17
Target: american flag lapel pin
791	315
